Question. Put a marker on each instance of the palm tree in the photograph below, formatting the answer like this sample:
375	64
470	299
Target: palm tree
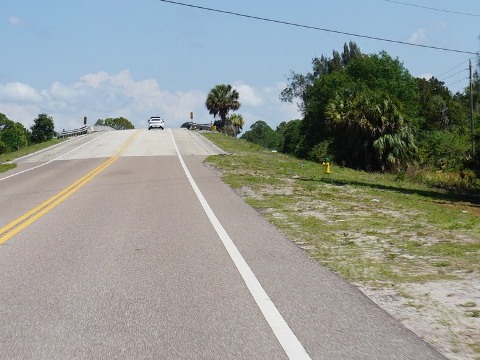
237	122
220	100
370	131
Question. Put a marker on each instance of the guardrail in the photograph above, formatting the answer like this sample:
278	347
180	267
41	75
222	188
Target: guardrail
75	132
195	126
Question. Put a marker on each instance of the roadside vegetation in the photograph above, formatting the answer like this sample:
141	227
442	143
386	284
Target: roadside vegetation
10	156
381	231
370	227
220	101
399	213
16	141
367	112
14	136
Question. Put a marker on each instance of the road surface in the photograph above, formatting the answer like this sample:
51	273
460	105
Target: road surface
123	245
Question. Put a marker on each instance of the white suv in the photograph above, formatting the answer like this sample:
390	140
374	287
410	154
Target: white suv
156	122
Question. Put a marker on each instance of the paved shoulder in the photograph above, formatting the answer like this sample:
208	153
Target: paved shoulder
330	317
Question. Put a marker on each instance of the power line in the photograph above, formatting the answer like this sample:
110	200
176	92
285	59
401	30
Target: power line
459	72
446	72
456	82
432	8
316	28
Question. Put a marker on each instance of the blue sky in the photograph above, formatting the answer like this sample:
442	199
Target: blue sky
138	58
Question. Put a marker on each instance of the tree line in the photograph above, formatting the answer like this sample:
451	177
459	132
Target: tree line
366	111
119	123
14	136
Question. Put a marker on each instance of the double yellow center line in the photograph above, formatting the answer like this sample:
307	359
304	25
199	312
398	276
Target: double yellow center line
28	218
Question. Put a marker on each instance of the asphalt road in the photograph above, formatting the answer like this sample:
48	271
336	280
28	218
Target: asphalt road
123	245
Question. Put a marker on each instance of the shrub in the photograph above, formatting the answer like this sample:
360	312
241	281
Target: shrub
320	151
446	150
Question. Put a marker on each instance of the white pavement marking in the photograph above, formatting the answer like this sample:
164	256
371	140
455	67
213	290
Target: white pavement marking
48	162
285	336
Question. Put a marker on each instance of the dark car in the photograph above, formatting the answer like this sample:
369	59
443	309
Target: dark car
188	125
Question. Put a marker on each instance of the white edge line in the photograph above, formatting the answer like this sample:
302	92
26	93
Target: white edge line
49	161
285	336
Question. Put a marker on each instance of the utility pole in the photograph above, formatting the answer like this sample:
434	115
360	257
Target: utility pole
444	117
471	108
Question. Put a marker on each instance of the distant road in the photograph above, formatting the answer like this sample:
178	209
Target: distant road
123	245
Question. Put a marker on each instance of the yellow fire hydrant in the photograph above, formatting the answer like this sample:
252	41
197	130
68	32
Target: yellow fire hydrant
326	163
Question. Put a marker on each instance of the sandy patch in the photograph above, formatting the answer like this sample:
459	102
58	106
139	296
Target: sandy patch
445	314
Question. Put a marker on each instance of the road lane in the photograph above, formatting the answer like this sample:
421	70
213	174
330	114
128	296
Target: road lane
118	278
21	193
131	267
287	339
68	161
331	318
14	227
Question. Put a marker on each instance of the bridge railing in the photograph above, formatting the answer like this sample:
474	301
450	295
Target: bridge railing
83	130
75	132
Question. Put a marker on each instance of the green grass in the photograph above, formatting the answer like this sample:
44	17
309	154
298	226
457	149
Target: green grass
374	229
6	167
24	151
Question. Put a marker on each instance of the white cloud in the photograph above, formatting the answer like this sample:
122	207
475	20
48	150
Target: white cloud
18	112
16	21
60	92
101	95
19	92
95	80
426	76
122	79
264	104
248	95
418	37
